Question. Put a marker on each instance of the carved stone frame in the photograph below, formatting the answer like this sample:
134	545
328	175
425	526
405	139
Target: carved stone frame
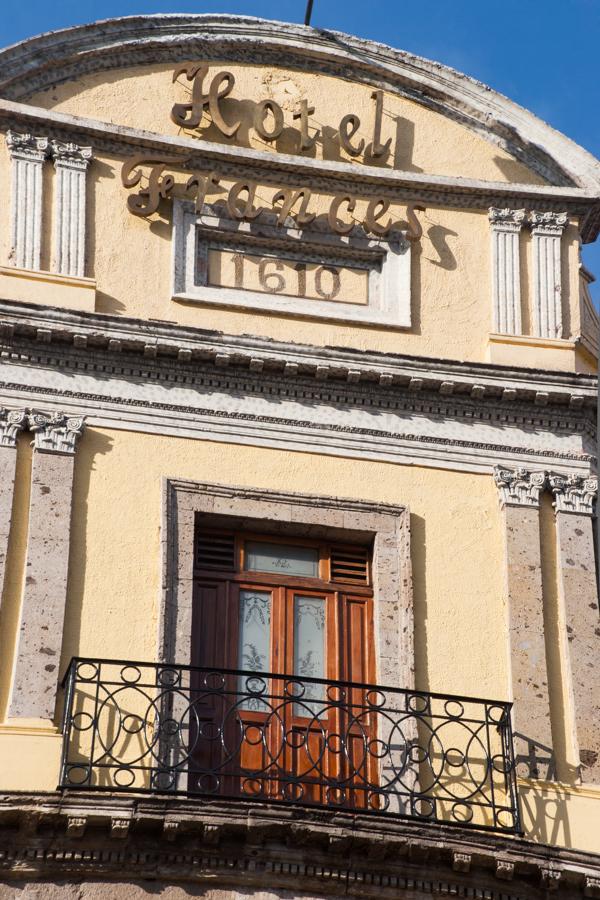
291	514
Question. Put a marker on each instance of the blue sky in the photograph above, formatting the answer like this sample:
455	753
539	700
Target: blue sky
541	53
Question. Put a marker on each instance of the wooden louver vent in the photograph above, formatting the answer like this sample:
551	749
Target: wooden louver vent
350	565
215	551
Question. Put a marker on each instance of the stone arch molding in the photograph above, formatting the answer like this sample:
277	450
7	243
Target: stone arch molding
59	56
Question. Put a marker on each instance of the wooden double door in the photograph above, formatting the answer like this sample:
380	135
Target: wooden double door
279	734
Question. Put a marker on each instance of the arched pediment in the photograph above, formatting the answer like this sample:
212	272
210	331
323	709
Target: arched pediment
54	58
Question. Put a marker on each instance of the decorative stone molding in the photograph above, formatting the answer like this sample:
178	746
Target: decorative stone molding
55	432
76	826
28	153
592	887
12	422
119	828
290	513
461	862
574	493
258	848
519	487
506	227
550	877
546	230
505	869
71	162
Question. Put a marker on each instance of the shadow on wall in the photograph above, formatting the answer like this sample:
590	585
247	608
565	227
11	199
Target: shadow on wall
534	760
545	813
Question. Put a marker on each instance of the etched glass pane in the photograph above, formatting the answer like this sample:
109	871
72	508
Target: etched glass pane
309	651
285	558
254	644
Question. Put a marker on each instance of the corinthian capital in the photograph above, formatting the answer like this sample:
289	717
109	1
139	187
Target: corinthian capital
70	155
26	146
55	432
12	421
574	493
552	223
506	219
519	487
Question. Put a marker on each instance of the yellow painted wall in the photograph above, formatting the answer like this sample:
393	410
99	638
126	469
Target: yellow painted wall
142	97
130	259
114	583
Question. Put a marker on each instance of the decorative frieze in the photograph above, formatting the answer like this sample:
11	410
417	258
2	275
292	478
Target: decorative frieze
546	230
71	162
574	493
28	153
55	432
506	227
519	487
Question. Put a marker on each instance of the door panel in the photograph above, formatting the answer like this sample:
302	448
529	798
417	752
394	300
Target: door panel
296	741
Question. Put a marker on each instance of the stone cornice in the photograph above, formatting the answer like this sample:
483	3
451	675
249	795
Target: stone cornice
96	335
332	176
240	844
574	494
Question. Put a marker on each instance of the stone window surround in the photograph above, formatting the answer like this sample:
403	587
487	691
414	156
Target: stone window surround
299	515
389	276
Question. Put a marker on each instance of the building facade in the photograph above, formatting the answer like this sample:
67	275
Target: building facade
298	473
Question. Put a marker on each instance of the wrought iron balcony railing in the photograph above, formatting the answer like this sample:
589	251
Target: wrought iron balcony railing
143	727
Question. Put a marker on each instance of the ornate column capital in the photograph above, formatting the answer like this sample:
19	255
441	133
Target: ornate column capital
519	487
551	223
69	155
26	146
55	432
574	493
12	421
506	219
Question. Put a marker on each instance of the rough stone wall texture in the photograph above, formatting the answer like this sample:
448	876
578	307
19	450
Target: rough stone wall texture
577	586
42	613
143	890
528	652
